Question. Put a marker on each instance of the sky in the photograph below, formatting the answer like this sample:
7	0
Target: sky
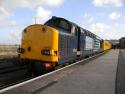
105	18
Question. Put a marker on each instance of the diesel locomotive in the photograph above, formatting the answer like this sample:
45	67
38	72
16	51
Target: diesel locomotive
43	47
106	45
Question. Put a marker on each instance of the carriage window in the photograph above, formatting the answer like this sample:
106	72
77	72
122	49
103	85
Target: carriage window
76	31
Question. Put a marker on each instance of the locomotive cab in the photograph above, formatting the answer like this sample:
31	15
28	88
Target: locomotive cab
39	44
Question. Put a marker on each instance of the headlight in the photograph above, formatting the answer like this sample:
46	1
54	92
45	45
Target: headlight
20	50
46	52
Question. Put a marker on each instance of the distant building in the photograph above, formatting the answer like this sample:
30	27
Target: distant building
122	43
115	43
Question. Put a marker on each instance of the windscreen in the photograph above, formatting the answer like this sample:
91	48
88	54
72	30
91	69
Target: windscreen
59	23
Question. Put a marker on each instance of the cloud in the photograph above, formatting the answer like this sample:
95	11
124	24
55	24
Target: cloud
14	29
103	3
115	15
123	18
121	26
7	6
89	17
100	27
42	15
15	36
8	24
106	31
13	22
29	3
53	2
3	13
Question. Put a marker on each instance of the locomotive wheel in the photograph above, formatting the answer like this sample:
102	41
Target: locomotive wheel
39	69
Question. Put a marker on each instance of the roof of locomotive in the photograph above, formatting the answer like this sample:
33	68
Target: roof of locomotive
74	24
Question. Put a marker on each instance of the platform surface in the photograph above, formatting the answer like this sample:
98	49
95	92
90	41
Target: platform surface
120	81
94	77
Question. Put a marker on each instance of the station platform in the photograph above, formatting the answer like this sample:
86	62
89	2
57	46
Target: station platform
97	76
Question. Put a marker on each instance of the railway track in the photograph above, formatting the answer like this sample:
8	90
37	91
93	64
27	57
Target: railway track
14	81
13	76
11	69
11	72
9	65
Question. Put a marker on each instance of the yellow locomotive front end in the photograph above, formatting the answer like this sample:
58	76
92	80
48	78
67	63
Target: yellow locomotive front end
106	45
39	43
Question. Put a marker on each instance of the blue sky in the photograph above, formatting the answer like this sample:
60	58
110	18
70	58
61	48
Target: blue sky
105	18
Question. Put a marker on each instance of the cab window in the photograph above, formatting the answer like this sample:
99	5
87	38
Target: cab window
52	22
64	25
60	23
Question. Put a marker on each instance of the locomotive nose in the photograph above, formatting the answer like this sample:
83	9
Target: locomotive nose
39	42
